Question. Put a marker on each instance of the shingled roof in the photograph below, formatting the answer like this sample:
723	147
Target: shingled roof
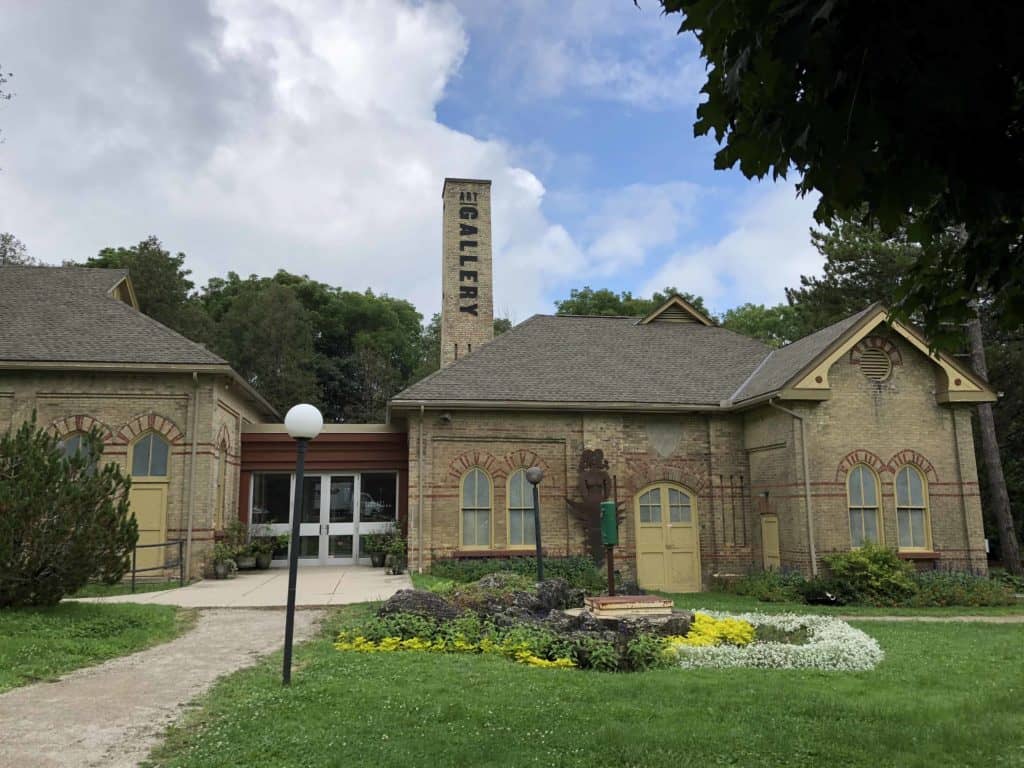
69	314
784	363
598	360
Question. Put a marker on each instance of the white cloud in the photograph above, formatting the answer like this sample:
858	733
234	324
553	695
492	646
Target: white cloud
259	135
766	249
606	49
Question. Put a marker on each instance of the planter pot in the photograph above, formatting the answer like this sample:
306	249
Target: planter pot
246	562
263	560
221	570
377	559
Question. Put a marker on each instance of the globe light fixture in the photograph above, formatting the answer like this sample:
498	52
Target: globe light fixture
303	422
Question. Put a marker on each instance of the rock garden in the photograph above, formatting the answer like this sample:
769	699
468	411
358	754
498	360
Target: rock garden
547	624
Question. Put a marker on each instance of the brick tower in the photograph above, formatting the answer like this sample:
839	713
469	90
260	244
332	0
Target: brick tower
467	299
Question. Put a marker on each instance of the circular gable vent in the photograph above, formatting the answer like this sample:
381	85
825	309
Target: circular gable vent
875	364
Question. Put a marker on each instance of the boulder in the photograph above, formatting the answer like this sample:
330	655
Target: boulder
556	594
421	603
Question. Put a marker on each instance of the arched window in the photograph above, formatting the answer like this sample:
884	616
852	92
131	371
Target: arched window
521	529
862	492
222	486
72	444
149	456
912	509
678	502
476	509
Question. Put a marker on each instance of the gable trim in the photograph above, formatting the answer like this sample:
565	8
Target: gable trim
677	303
960	385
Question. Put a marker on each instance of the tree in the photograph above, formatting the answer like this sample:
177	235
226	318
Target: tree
13	251
5	95
161	284
63	520
267	337
886	110
587	301
430	345
774	326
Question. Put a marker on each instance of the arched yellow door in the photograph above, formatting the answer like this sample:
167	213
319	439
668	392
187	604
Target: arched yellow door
667	539
147	498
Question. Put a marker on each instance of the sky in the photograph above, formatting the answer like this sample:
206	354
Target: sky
314	136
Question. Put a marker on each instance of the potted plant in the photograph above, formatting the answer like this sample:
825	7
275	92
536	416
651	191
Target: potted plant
264	547
223	561
376	546
396	553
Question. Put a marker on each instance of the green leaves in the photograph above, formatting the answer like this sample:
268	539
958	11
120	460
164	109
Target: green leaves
883	108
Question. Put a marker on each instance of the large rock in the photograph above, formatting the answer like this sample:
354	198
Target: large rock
556	595
421	603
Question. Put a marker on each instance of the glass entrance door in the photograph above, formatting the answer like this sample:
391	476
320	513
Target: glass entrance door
337	511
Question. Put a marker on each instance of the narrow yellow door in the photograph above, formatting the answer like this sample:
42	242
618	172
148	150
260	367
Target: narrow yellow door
770	542
668	540
148	502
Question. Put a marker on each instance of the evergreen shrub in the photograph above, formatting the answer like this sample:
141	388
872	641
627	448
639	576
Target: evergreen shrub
63	520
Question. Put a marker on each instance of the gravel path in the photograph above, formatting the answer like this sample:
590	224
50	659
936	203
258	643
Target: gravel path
112	714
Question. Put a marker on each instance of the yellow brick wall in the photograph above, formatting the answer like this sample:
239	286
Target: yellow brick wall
127	405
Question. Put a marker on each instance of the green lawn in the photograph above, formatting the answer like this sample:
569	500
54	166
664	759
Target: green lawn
945	695
124	588
44	643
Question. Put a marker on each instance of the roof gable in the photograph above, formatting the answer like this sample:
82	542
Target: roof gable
801	370
676	310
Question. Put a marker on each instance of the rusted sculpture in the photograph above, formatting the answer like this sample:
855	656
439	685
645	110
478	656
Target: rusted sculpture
595	485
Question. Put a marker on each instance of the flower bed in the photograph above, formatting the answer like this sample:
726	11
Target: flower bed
831	644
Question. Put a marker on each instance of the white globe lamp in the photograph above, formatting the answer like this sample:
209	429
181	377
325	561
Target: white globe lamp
303	421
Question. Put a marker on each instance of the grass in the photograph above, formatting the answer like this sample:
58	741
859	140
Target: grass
43	643
947	694
98	589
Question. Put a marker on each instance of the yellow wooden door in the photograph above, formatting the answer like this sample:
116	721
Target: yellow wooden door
668	539
148	502
770	542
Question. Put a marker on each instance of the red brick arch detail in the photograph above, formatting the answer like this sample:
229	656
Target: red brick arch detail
919	460
483	459
524	459
876	342
642	475
79	423
860	456
150	422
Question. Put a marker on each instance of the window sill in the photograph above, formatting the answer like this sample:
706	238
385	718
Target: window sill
918	555
466	554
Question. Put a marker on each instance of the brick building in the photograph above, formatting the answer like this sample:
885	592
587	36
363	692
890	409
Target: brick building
725	455
76	351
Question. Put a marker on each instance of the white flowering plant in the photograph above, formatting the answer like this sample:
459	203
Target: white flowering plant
831	644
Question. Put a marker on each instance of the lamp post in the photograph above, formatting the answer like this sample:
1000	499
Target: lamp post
533	476
303	423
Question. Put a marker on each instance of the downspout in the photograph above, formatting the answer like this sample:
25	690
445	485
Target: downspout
807	483
419	492
192	473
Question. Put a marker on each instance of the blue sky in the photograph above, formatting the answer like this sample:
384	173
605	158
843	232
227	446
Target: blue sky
260	134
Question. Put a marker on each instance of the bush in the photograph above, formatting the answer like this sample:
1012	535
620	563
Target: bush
580	572
940	588
873	574
63	521
766	586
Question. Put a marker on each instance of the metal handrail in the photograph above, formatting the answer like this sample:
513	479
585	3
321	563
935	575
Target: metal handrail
179	543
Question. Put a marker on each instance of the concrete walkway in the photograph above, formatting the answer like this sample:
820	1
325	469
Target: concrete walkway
316	587
113	714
